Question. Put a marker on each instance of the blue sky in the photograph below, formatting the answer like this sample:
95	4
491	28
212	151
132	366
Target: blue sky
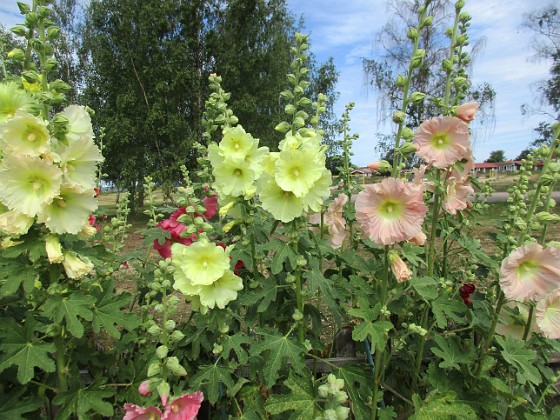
345	30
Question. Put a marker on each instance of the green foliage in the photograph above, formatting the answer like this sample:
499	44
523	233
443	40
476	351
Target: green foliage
452	351
209	378
85	401
515	353
12	407
300	400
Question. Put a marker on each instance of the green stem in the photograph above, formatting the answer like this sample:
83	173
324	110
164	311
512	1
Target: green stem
420	353
435	212
411	67
61	362
491	332
529	322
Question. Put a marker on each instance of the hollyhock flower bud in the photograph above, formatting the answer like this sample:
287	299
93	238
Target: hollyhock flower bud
54	249
467	111
76	266
399	268
144	389
398	117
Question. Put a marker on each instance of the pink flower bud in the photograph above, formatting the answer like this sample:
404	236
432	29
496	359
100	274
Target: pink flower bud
467	111
399	268
144	389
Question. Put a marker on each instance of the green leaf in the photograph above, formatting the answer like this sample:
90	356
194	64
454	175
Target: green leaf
282	251
70	308
444	308
12	408
441	407
357	381
281	350
375	331
515	353
22	348
83	401
317	281
426	287
267	293
300	400
108	312
452	352
209	378
235	342
14	273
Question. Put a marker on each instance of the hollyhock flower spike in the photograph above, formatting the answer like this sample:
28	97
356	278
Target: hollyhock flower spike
442	141
467	111
391	211
548	314
530	272
135	412
184	408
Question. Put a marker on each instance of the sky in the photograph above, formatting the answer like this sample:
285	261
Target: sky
345	30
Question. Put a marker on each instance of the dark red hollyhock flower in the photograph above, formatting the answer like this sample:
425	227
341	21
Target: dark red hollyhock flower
466	290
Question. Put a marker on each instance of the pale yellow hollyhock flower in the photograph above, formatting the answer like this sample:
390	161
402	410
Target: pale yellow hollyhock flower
12	98
69	211
79	123
79	162
25	134
15	223
76	266
28	183
54	249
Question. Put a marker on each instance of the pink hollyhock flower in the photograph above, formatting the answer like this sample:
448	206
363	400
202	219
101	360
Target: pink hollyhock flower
467	111
456	197
530	272
144	389
91	221
185	407
135	412
211	204
174	227
462	170
96	192
465	291
390	211
442	141
399	268
335	221
548	314
374	166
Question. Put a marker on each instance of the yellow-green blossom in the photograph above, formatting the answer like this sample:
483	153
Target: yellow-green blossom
298	170
283	205
76	266
220	292
25	134
14	223
69	211
79	162
79	123
201	263
12	99
28	183
54	249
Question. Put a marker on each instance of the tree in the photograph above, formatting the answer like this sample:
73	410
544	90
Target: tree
382	72
545	25
496	156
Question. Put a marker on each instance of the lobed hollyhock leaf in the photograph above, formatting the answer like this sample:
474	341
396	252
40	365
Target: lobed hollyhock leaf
300	399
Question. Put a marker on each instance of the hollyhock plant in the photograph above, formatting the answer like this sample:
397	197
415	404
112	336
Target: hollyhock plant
530	272
185	407
79	162
283	205
467	111
298	170
548	314
28	183
220	292
391	211
442	141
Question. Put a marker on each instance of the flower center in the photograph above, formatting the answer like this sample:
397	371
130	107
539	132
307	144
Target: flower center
175	408
390	209
31	137
237	172
59	202
205	263
440	140
237	146
295	172
36	185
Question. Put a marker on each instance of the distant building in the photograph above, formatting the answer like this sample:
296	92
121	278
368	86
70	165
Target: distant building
363	172
506	166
